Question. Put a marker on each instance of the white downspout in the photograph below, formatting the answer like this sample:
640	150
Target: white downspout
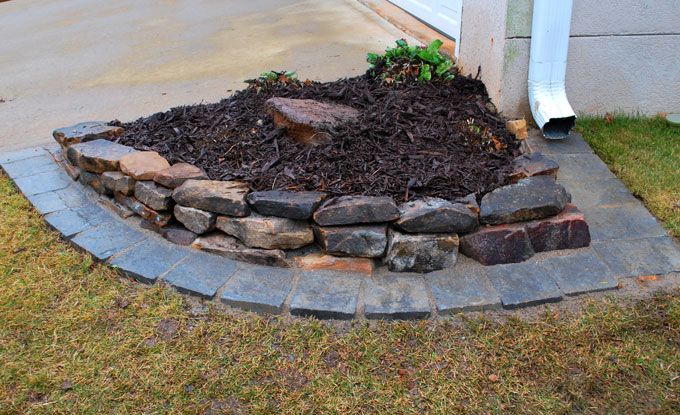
548	68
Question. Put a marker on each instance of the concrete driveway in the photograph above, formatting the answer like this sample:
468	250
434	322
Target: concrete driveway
66	61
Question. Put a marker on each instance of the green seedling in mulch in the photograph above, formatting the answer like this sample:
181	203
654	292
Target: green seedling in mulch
405	61
269	78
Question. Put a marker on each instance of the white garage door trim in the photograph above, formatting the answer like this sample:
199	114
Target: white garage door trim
443	15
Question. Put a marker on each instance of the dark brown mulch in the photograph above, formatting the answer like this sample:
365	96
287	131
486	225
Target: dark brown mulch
441	138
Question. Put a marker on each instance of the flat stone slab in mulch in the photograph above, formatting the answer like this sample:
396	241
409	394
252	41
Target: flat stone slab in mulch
627	242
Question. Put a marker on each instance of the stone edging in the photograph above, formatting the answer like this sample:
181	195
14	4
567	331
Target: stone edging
278	227
80	217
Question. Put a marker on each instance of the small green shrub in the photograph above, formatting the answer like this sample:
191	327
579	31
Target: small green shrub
267	79
405	61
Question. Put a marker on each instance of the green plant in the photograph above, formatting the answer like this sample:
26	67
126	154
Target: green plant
269	78
405	61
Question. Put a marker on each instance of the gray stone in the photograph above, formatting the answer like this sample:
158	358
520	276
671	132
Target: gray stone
579	273
12	156
523	285
73	221
463	288
175	175
85	131
143	165
531	198
148	260
394	297
623	222
633	258
115	207
107	239
533	164
433	215
158	219
196	220
201	274
178	235
293	205
30	167
72	171
259	289
225	197
119	182
229	247
470	202
94	181
154	196
500	244
42	182
420	253
348	210
267	232
98	156
306	120
367	241
326	295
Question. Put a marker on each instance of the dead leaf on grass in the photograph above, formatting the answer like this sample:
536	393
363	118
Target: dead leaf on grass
167	328
647	278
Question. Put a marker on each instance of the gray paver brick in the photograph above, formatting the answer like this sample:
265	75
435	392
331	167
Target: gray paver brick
148	260
107	239
69	197
632	258
523	285
326	295
574	144
258	288
598	193
577	168
10	156
73	221
30	167
622	222
466	287
43	182
201	274
396	297
580	272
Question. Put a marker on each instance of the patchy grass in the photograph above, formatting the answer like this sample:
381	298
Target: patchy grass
76	338
645	154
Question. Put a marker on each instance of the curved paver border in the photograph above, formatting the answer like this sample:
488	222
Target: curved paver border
75	213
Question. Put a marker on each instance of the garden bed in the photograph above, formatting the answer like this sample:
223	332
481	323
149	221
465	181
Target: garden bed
411	139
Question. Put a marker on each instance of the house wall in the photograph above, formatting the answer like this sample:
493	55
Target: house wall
624	55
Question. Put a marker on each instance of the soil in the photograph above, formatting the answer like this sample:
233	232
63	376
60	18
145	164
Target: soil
440	138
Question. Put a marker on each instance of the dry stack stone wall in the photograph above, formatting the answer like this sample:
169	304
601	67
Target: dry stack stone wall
315	230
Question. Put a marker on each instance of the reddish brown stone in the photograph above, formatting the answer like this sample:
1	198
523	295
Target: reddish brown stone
501	244
97	156
307	120
518	128
94	181
157	219
143	165
178	235
568	230
533	164
317	261
175	175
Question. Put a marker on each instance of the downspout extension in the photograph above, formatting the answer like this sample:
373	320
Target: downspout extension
548	68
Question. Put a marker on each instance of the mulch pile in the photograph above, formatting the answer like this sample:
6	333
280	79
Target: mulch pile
441	138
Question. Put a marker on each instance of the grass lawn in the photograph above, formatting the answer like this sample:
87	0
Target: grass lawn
76	338
645	154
